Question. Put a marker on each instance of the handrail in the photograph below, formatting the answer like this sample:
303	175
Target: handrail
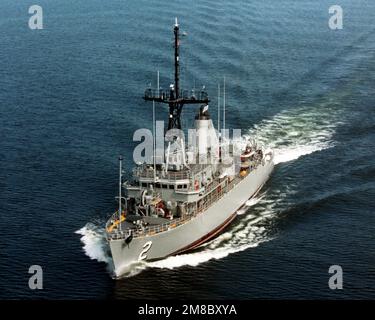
165	95
144	172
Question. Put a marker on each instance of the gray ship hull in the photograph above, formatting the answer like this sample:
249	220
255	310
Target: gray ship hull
192	233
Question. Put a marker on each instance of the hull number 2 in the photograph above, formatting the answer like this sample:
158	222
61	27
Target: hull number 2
146	247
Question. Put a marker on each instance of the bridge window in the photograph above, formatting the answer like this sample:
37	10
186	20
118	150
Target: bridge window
182	186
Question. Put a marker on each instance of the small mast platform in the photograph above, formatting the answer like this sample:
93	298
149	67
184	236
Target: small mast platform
184	97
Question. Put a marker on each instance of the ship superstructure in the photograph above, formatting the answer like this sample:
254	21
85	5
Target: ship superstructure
189	197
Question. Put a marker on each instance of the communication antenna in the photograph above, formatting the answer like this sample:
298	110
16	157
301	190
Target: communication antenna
218	108
154	138
224	106
158	84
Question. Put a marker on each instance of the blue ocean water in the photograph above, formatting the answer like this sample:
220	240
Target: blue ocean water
71	99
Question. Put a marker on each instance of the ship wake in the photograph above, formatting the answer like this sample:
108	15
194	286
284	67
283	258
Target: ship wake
296	133
94	243
291	134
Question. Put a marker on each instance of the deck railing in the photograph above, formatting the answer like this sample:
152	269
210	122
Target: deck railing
165	95
143	171
151	230
170	175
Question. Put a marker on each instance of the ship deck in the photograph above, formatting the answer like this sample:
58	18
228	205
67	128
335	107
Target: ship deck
149	222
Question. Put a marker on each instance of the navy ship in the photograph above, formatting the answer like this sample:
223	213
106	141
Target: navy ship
176	205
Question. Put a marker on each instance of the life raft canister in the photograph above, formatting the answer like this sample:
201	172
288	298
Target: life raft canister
243	172
117	221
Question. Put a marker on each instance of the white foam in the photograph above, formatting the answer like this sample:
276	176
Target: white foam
241	211
293	153
255	200
95	246
296	133
194	259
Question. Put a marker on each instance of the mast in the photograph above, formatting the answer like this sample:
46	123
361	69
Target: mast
175	97
175	108
177	59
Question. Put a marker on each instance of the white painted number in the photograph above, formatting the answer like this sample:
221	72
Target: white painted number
146	247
